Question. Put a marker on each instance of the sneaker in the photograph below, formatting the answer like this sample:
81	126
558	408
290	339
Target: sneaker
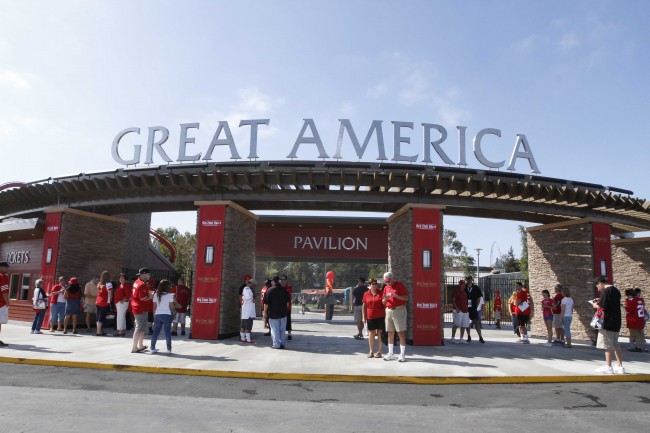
251	342
605	369
241	340
154	351
462	342
548	344
526	342
469	339
281	346
182	332
390	357
37	332
619	370
454	341
401	359
3	344
169	352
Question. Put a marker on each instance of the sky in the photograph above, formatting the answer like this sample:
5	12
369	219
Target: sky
571	76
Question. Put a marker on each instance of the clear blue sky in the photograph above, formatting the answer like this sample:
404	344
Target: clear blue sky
571	76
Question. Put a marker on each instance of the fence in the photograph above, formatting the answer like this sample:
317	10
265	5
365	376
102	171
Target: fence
504	283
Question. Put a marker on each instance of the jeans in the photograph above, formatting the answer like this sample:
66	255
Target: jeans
38	320
162	321
566	320
278	331
57	311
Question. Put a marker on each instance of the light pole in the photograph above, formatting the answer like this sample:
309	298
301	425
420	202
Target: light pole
478	261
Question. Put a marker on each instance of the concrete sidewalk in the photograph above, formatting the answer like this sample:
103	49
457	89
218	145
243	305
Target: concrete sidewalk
326	351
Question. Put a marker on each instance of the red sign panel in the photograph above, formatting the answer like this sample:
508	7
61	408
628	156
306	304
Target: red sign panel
50	254
207	291
322	243
427	313
602	250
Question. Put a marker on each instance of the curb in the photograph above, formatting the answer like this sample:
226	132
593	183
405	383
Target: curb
416	380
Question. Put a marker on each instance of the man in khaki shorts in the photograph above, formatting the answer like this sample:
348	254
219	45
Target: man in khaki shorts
395	297
610	303
90	298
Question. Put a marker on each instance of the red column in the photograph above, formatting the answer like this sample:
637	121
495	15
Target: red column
207	287
427	314
50	254
602	250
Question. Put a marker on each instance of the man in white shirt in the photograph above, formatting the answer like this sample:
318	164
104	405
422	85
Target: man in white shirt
247	312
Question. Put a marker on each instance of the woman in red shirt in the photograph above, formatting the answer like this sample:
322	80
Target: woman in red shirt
103	302
374	314
122	298
72	305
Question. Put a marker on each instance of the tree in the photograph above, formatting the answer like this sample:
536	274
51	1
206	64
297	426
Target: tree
510	262
455	253
185	244
523	261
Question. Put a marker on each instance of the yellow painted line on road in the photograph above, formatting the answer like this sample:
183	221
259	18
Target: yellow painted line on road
416	380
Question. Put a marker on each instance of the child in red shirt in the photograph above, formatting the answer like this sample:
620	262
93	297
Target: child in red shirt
496	306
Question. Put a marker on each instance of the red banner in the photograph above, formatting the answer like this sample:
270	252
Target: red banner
50	254
427	313
322	243
602	250
207	289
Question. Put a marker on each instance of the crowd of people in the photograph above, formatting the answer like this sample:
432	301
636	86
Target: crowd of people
141	304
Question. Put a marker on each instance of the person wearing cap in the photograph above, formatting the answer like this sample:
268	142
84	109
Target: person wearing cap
634	317
140	296
474	305
610	303
276	304
247	311
183	297
395	298
4	297
72	304
374	315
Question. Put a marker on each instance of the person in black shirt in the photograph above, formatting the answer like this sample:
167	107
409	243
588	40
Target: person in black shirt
610	303
357	302
474	306
276	305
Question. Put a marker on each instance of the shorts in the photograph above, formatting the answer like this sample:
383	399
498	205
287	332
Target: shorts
474	315
101	313
4	315
247	324
90	308
180	317
358	313
141	322
497	315
396	319
607	340
557	321
72	306
523	319
377	324
550	318
57	312
636	334
461	319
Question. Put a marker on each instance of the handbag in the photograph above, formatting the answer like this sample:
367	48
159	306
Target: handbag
597	320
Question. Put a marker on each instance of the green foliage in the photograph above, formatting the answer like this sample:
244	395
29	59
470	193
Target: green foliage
455	253
510	262
185	244
523	261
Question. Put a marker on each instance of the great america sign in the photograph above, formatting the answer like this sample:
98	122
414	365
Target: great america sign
433	137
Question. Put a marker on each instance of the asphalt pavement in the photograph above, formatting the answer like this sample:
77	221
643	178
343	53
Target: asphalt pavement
326	351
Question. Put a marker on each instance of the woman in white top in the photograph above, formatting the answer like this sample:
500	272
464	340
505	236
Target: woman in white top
163	302
247	312
39	302
567	315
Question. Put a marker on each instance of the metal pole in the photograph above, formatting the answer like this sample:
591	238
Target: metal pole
478	261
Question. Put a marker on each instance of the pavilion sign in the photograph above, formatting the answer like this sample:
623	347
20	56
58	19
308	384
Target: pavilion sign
434	136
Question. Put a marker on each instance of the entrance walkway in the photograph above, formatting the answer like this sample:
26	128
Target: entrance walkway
326	351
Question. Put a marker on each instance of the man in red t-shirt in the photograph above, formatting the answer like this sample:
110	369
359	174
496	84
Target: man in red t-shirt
460	313
140	296
4	297
183	296
285	283
395	297
522	309
635	318
557	315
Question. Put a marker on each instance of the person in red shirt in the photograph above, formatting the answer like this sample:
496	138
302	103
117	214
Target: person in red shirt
558	326
183	297
496	307
265	322
522	309
289	288
4	297
151	284
634	316
122	298
374	315
460	313
57	304
73	294
395	297
140	296
103	301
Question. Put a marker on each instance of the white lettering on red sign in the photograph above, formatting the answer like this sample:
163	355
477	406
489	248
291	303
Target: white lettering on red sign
53	228
426	226
426	306
206	300
211	223
330	243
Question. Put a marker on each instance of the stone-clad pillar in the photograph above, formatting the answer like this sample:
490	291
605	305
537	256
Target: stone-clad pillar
225	253
572	254
631	263
415	258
